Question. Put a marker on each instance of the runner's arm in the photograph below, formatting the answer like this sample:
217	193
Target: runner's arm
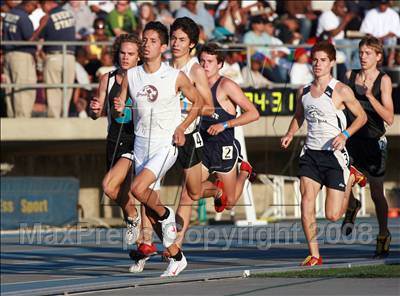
296	122
97	103
190	92
237	96
385	110
200	80
355	108
119	101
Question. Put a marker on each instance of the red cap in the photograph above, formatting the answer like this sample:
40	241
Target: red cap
299	52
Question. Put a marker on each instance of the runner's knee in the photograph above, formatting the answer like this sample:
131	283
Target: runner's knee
110	189
333	216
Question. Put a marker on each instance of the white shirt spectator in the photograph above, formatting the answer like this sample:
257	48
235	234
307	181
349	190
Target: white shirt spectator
35	17
232	71
378	24
81	75
254	78
301	74
84	18
329	21
106	6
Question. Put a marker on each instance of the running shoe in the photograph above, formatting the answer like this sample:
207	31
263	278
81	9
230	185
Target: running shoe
138	266
359	177
168	227
175	267
147	250
382	246
311	261
350	218
220	201
245	166
132	229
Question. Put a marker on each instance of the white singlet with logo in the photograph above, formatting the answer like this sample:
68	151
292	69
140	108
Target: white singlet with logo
186	69
324	120
156	108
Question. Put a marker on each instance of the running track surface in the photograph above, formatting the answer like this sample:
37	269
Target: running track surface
79	260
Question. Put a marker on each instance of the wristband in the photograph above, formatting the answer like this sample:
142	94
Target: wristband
346	134
225	125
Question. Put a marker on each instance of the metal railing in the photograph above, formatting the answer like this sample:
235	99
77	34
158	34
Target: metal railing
64	44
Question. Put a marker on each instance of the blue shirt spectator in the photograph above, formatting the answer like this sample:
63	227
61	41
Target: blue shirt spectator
258	36
17	26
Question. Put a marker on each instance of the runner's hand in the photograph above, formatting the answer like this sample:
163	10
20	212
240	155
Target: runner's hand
119	105
95	105
286	140
339	142
179	136
215	129
95	108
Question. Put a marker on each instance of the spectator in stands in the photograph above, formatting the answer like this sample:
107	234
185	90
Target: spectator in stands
164	13
231	16
231	67
146	14
302	11
301	72
286	29
199	14
107	64
331	24
57	25
8	5
101	7
36	16
20	64
81	95
252	76
278	54
121	20
384	23
84	17
93	51
358	8
257	35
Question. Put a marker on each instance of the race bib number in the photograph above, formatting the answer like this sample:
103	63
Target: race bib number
198	140
227	152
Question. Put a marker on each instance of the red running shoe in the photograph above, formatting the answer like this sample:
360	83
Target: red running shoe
220	201
311	261
359	177
245	166
147	250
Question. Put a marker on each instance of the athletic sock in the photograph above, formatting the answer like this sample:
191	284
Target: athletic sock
166	214
177	256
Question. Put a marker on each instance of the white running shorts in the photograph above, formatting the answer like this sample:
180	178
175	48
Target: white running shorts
156	156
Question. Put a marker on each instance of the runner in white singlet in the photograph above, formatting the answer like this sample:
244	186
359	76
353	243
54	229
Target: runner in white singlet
324	160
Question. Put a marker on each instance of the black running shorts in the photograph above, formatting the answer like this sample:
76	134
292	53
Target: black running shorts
191	153
325	167
221	157
368	155
115	152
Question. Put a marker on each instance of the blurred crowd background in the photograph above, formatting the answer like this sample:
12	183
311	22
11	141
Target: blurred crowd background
276	27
